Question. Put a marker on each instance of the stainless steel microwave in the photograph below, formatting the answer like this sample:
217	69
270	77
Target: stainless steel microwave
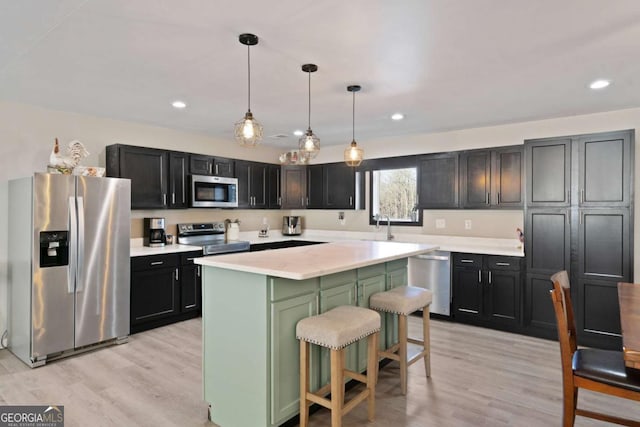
213	192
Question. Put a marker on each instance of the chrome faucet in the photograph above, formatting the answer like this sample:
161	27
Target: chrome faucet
378	217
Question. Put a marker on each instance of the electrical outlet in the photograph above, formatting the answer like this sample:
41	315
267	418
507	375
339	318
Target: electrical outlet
440	223
467	224
341	218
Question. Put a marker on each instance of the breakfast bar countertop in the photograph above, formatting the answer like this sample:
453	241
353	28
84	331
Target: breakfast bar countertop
307	262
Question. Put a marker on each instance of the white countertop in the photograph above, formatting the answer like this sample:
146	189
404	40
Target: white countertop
477	245
306	262
137	249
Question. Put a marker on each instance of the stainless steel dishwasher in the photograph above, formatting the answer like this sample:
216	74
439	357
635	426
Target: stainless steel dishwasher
433	271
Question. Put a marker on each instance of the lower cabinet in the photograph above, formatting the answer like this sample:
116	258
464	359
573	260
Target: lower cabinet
487	290
294	300
164	289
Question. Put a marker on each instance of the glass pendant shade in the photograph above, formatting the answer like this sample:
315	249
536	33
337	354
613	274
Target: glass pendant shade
309	144
247	131
353	155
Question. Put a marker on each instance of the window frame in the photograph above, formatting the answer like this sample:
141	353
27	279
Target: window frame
393	166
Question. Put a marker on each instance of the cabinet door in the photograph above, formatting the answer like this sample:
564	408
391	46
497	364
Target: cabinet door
548	166
154	294
223	167
539	317
339	186
597	312
258	185
475	170
605	170
285	355
331	298
178	180
467	293
244	181
147	168
604	244
200	164
503	297
507	176
275	196
190	287
438	183
548	240
294	185
366	288
314	187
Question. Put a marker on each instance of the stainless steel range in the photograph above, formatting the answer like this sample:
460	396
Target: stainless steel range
209	235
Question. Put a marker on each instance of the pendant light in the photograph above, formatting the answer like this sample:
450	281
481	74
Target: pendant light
309	144
248	131
353	155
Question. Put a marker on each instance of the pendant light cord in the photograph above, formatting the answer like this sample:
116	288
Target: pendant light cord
309	119
249	78
353	121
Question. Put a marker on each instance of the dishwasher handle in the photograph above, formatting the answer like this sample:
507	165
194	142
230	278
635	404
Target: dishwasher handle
433	257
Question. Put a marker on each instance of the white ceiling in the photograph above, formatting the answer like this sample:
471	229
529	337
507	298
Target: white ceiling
446	64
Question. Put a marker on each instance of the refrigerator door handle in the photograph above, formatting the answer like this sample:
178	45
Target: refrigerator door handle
73	249
79	268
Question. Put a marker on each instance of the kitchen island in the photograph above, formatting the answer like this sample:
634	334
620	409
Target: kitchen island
251	303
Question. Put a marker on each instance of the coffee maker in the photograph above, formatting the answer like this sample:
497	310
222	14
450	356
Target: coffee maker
154	234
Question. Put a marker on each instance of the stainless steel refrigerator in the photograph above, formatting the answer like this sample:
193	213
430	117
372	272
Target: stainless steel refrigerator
69	268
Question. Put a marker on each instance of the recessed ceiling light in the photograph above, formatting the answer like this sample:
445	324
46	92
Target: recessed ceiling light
599	84
298	132
179	105
397	116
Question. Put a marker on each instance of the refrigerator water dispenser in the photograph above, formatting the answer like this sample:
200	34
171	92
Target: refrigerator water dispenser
54	248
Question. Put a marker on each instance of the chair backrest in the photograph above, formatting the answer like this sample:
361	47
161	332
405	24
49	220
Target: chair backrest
561	297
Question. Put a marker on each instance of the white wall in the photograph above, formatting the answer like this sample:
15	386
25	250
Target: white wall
27	135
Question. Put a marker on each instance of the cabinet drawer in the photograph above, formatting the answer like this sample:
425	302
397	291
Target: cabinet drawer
496	262
186	258
153	261
280	288
467	260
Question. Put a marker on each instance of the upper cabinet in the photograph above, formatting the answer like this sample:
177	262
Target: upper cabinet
549	172
294	187
275	189
438	181
492	178
252	184
178	191
315	187
339	182
208	165
605	170
148	170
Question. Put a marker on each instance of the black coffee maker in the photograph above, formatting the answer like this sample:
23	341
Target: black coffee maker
154	234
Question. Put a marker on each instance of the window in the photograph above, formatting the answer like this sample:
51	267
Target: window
394	193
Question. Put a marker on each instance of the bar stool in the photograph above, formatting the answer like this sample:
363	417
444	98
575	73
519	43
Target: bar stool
403	301
336	329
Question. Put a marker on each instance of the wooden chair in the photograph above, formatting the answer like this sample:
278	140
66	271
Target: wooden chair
602	371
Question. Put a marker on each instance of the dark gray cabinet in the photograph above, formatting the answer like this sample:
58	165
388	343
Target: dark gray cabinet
579	219
339	185
275	189
548	172
438	181
492	178
148	170
164	289
178	191
200	164
487	290
294	187
604	169
252	184
315	187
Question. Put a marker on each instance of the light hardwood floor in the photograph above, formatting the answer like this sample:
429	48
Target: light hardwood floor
480	377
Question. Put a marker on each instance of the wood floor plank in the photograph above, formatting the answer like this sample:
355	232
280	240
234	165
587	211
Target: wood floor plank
480	377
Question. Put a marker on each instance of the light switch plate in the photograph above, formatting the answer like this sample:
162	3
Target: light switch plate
467	224
440	223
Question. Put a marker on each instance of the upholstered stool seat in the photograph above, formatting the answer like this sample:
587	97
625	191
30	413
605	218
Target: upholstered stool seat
336	329
403	301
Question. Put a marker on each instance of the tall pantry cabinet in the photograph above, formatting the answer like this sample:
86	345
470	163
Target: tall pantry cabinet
579	218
